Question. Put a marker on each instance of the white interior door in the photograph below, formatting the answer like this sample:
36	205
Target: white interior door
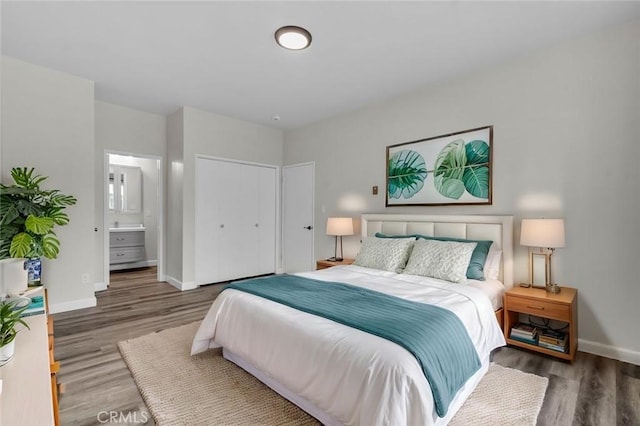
297	217
238	220
266	224
207	223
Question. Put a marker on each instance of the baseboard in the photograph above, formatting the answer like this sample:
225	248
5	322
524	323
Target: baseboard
182	286
99	286
131	265
72	305
608	351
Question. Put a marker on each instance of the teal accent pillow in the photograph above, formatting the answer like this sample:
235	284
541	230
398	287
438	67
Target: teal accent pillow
475	270
381	235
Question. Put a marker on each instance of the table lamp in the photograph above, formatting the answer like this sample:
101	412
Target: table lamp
545	234
339	226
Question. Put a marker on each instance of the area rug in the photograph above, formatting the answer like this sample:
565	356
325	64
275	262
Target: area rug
206	389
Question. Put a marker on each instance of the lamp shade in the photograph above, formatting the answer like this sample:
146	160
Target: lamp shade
339	226
547	233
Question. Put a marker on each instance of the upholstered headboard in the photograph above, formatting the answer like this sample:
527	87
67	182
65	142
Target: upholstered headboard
498	229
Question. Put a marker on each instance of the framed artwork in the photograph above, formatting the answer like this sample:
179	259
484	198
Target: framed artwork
453	169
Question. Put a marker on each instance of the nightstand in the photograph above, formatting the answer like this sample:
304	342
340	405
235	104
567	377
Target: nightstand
324	264
536	301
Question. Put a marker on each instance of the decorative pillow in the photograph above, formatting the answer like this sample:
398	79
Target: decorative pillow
387	254
381	235
445	260
475	270
492	266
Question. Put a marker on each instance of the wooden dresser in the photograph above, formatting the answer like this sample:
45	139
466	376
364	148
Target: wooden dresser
29	387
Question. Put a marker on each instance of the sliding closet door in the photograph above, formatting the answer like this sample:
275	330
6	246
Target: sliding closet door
207	222
235	229
238	217
267	221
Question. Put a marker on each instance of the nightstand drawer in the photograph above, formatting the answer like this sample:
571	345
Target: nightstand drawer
538	307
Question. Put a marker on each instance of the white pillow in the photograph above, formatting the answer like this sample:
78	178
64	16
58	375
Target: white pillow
445	260
492	265
387	254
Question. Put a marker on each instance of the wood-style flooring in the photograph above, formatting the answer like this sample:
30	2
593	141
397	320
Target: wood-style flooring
591	391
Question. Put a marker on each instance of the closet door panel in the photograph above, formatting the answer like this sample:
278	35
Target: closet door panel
239	215
267	220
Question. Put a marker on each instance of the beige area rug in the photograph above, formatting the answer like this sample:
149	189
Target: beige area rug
206	389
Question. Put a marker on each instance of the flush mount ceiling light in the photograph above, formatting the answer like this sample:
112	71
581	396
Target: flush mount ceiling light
293	38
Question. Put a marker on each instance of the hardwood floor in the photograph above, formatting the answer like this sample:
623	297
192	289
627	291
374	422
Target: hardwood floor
95	378
591	391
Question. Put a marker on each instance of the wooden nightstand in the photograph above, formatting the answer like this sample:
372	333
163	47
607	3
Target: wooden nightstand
536	301
324	264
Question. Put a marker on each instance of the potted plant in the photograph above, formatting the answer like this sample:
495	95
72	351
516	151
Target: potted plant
28	215
9	320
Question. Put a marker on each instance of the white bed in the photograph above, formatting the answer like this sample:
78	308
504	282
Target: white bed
342	375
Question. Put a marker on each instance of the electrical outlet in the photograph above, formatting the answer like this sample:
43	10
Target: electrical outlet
85	278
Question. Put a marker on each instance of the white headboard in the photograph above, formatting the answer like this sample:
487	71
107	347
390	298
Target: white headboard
498	229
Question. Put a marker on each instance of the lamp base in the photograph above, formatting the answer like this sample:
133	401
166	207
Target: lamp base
553	288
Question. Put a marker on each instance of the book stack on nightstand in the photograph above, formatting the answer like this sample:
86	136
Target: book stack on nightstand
524	332
554	340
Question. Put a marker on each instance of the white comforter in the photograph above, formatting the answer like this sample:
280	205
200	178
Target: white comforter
355	377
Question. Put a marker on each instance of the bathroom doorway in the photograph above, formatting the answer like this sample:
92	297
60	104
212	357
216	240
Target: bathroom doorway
133	214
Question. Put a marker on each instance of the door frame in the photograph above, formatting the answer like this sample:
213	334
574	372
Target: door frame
313	210
105	214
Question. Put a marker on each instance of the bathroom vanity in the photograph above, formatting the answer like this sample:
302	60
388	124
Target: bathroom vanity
126	246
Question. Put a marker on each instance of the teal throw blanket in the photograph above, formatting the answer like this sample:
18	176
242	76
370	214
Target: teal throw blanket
435	336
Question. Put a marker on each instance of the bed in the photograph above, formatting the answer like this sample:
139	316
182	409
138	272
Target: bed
342	375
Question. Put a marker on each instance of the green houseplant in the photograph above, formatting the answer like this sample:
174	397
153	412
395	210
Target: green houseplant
9	320
28	216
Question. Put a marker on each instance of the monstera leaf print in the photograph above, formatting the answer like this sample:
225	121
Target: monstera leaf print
407	173
449	170
461	167
476	172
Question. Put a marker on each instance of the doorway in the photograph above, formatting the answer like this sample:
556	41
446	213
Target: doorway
298	217
133	214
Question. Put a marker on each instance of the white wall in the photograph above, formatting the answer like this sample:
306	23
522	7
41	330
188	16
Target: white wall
130	130
48	123
174	203
215	135
566	120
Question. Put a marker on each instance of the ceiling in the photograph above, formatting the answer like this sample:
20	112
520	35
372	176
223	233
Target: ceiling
222	57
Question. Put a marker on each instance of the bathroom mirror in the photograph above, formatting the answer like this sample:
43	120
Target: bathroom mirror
125	189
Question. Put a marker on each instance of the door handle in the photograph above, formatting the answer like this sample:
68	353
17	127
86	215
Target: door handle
308	227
